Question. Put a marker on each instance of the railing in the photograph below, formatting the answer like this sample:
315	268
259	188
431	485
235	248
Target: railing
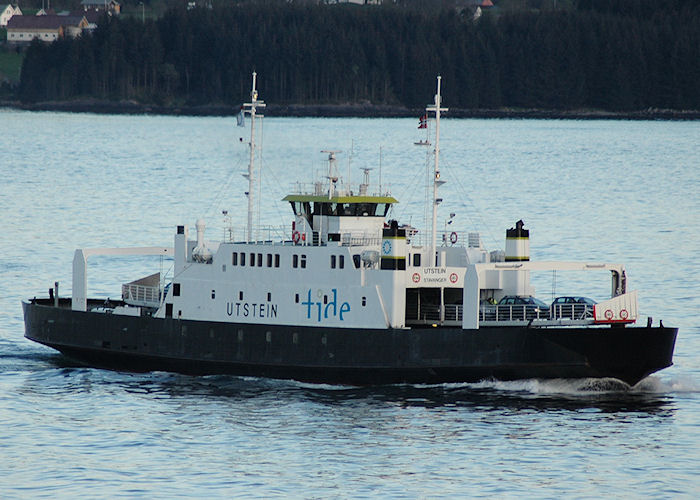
453	312
524	312
320	188
261	235
359	239
282	235
431	313
520	312
140	295
572	311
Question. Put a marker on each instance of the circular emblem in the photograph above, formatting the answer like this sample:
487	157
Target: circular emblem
624	314
608	314
453	278
386	247
416	277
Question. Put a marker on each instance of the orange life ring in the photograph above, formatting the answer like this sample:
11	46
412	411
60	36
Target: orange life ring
296	236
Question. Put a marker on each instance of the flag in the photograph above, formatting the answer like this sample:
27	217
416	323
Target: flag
240	119
423	123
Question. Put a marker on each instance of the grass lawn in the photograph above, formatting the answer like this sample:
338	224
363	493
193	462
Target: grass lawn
10	65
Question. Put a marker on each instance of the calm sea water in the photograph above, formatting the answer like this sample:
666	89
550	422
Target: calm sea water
587	190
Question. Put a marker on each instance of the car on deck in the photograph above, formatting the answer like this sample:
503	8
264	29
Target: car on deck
515	307
572	307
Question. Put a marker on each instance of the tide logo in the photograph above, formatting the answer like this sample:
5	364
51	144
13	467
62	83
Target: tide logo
324	310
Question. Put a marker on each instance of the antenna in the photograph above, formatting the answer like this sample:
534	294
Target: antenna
380	170
352	152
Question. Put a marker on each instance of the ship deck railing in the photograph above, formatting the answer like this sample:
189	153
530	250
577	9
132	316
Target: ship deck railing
278	235
502	315
359	240
140	295
571	311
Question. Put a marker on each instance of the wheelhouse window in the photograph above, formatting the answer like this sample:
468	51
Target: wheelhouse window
367	209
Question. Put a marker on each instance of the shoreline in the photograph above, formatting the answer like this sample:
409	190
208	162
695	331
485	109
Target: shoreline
347	111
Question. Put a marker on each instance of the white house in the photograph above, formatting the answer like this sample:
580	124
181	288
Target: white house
6	12
101	5
23	29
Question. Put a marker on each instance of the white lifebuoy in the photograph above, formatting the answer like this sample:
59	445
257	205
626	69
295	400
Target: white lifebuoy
296	236
453	237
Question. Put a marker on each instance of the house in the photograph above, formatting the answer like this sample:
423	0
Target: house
101	5
24	29
92	17
473	8
6	12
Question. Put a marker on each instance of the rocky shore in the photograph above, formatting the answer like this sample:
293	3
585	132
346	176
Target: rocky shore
346	110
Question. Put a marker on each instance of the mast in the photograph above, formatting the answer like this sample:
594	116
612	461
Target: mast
251	109
435	108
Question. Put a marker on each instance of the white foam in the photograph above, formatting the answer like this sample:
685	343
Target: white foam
678	384
587	386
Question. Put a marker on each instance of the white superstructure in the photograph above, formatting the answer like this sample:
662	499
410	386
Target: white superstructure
343	265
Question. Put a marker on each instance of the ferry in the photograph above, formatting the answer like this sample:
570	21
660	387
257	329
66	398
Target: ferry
346	296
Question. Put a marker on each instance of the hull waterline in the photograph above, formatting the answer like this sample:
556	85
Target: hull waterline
354	357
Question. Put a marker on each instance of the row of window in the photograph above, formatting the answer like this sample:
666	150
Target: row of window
273	260
256	259
177	290
37	35
325	299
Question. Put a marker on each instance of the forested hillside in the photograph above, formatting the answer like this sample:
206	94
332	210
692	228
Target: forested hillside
633	55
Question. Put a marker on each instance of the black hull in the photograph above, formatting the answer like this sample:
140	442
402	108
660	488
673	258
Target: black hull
349	356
